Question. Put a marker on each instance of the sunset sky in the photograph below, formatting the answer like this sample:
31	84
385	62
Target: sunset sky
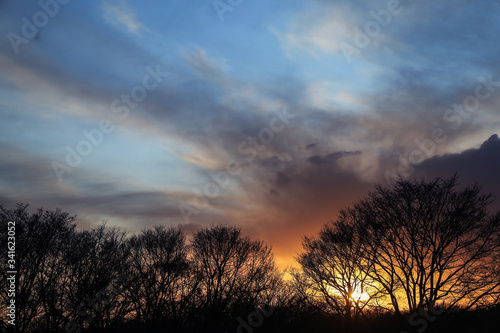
266	115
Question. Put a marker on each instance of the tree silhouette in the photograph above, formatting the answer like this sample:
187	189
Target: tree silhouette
335	270
40	239
398	250
159	267
433	240
96	262
233	272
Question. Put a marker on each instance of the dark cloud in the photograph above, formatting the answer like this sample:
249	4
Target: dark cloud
328	159
90	194
480	165
282	180
310	195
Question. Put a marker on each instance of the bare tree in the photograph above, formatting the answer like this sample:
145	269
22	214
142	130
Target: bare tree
96	263
434	241
335	270
40	239
159	269
233	272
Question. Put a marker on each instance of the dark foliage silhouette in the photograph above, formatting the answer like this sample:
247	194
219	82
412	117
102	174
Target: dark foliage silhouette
422	255
159	274
41	238
408	248
433	241
233	273
336	271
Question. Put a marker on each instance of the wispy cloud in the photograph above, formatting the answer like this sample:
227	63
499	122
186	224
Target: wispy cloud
317	32
122	14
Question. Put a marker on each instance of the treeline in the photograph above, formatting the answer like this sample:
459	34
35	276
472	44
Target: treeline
420	256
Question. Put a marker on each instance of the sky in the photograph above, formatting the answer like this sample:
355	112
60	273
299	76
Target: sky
267	115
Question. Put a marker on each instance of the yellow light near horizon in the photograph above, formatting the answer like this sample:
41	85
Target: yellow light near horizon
358	295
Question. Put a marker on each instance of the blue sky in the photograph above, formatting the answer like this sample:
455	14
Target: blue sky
365	91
